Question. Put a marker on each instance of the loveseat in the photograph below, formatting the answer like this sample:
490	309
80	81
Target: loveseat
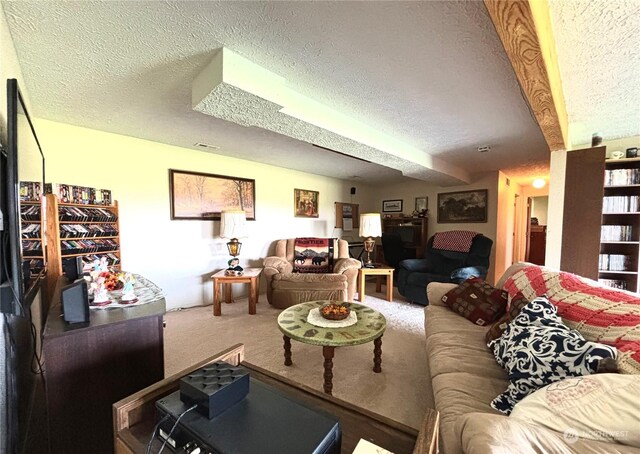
286	288
466	378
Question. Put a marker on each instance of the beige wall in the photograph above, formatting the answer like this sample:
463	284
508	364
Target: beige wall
407	192
180	256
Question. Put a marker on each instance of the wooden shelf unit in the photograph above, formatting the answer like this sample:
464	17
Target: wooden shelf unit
56	252
34	267
619	217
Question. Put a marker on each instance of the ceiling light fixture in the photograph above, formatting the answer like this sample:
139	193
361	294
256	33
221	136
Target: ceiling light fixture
538	183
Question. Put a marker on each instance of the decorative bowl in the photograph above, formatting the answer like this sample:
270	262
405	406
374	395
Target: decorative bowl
334	311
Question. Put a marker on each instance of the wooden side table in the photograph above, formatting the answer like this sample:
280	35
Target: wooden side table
379	272
250	276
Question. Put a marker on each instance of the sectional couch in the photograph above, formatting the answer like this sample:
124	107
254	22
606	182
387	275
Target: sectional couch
466	378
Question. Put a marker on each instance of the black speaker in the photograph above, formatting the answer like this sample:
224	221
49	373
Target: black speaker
75	302
73	268
353	190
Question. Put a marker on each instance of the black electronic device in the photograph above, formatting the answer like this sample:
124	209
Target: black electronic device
353	190
266	421
75	302
215	388
73	268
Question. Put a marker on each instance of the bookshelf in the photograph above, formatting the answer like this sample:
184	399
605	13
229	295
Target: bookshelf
80	230
32	230
618	263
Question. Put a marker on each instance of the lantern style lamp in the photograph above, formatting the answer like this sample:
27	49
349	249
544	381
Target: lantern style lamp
370	227
233	226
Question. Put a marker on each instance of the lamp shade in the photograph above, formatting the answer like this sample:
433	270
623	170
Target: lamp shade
370	225
233	224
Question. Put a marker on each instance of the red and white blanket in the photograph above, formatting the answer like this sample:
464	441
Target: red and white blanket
601	314
454	240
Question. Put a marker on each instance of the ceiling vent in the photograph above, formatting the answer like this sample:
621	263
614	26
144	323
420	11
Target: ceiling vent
206	146
484	149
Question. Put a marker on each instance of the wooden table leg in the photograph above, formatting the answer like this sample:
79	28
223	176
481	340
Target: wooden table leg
378	284
287	351
227	293
328	353
216	297
390	287
253	295
377	354
361	282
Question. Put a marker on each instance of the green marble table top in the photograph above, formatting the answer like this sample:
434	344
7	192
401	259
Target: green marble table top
293	323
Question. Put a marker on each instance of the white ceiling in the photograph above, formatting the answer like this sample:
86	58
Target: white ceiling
432	75
598	45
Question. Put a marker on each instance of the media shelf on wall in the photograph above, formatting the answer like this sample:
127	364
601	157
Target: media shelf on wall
31	232
620	233
81	230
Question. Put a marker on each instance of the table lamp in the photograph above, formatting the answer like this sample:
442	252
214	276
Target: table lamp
233	226
370	227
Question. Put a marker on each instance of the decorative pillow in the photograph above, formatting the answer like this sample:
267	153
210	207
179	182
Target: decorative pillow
477	301
602	407
313	255
513	309
602	314
537	349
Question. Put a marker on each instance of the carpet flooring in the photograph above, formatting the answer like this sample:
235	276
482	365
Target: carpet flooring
401	392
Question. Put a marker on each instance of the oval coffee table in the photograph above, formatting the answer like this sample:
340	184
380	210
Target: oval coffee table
369	327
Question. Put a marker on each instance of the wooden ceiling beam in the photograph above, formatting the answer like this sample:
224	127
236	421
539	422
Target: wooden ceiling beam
524	27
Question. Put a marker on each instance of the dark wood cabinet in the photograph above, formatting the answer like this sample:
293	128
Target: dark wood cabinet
412	231
537	244
89	367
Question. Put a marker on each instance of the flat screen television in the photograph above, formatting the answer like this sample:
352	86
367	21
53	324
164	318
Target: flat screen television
21	160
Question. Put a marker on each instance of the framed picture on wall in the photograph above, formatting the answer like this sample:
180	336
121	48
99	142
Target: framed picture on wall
392	206
203	196
462	206
306	203
421	203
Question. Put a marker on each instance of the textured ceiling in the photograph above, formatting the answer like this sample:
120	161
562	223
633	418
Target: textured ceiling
598	44
432	75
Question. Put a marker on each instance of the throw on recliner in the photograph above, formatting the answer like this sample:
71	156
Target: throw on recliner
469	257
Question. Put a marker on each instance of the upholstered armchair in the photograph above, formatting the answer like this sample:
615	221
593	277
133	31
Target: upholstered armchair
438	265
286	288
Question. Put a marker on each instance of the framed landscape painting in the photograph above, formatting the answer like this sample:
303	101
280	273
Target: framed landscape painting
306	203
392	206
195	195
462	206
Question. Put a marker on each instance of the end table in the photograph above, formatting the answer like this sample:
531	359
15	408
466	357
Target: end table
379	272
250	276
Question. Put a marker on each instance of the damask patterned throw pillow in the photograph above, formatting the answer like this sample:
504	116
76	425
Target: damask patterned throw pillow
477	301
537	349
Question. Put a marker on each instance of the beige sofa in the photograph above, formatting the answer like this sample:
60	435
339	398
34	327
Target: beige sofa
466	378
286	288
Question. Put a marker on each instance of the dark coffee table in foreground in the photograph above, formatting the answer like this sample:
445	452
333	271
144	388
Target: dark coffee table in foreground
369	327
134	417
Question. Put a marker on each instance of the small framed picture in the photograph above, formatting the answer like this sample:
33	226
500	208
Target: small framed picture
392	206
305	203
421	203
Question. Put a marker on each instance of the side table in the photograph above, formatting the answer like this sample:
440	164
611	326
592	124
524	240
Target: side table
250	276
379	272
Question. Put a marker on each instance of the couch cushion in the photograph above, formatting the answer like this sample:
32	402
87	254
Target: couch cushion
458	393
602	407
477	301
537	349
482	433
601	314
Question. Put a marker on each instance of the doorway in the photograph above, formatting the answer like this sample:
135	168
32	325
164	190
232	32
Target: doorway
537	229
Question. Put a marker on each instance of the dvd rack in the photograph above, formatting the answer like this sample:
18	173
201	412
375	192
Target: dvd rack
31	230
80	230
620	234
